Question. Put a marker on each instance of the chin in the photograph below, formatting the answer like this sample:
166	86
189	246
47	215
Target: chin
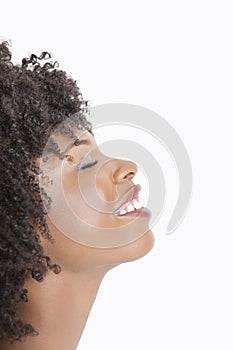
140	247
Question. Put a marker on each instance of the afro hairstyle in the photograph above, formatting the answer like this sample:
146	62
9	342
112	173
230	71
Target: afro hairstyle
34	100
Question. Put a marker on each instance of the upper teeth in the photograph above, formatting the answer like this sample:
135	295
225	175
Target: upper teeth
131	206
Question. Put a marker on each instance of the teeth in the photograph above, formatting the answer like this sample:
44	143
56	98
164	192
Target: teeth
130	207
136	204
121	211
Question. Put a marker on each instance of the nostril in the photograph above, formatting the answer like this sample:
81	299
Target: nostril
127	170
129	175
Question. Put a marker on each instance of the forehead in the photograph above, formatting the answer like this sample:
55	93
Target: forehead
64	141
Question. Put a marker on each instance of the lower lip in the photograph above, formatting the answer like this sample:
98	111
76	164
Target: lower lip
142	212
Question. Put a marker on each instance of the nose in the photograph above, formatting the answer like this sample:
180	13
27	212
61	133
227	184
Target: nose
125	170
118	172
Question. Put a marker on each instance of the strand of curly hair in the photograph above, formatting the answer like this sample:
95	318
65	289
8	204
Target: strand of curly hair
34	99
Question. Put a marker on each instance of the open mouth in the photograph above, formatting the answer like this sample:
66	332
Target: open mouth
129	207
142	212
132	207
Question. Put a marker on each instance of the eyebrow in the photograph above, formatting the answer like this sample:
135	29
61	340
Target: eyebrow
76	143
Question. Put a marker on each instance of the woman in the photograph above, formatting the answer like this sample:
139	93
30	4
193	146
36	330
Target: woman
49	278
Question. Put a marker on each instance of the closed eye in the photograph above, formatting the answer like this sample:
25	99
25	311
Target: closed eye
88	165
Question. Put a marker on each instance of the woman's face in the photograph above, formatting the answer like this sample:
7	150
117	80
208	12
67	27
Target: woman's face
86	230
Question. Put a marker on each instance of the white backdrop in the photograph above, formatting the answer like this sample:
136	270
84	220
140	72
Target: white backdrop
174	57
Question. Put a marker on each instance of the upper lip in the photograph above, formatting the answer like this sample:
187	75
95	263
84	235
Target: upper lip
130	195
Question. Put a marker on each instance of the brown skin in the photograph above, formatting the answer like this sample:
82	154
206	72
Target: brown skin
59	306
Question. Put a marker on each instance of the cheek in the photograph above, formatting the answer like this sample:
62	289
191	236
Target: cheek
81	203
77	195
86	200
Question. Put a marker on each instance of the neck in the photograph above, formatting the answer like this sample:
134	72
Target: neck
58	308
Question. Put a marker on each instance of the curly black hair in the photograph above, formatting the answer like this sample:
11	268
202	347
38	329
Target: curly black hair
34	100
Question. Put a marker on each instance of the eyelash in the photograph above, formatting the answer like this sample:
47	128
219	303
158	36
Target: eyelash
87	165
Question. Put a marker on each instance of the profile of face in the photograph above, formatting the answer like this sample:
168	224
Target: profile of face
86	230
